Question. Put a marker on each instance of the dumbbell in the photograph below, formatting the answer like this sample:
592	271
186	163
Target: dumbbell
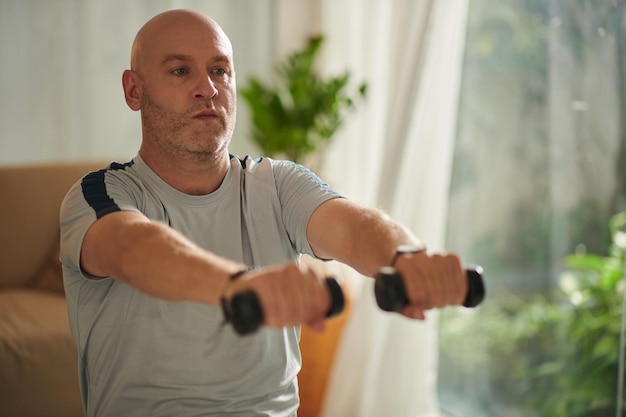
391	295
245	313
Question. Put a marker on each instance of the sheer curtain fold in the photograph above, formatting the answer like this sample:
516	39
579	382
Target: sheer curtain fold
395	154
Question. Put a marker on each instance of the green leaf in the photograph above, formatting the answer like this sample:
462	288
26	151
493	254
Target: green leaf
300	114
585	261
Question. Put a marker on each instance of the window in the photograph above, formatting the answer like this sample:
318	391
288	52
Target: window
539	171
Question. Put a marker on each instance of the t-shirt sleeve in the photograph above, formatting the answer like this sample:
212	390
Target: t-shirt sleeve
94	196
300	192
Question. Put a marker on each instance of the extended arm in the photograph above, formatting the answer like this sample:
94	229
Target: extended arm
366	239
154	258
161	262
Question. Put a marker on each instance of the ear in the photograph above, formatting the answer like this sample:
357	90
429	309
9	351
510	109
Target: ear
132	89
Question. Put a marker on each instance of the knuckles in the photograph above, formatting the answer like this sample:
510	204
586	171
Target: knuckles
291	294
432	280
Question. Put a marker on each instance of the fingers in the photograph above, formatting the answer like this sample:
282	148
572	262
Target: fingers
457	291
289	295
317	326
413	311
431	281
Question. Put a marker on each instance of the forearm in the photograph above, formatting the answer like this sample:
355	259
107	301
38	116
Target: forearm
376	238
155	259
363	238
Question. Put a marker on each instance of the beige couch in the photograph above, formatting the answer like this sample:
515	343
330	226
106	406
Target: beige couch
38	358
38	361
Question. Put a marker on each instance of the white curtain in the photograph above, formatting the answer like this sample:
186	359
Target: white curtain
395	154
60	85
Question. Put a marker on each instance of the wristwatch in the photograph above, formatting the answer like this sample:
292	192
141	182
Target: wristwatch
406	249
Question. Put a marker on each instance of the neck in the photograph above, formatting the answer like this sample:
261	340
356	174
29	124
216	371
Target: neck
192	174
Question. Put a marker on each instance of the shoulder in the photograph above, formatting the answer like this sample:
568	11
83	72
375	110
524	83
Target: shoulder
104	190
96	179
287	178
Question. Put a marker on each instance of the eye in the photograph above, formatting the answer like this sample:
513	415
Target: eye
218	71
180	71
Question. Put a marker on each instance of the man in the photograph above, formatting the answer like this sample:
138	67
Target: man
150	247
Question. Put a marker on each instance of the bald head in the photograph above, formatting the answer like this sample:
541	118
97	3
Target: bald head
182	79
176	27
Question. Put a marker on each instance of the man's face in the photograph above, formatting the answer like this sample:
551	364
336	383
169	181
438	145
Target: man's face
187	89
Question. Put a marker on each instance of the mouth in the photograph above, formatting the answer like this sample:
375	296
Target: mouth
205	115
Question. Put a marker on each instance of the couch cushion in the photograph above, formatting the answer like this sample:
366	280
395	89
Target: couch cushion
39	370
29	216
50	276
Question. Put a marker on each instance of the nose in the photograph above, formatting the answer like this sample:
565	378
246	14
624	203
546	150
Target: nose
206	88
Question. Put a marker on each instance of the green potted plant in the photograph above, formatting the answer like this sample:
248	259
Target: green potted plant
302	112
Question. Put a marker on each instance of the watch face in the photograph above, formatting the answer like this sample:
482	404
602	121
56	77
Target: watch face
410	248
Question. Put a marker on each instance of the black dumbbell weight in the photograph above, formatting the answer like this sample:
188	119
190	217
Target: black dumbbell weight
391	293
245	313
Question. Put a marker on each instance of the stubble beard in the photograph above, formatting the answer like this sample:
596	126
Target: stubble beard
177	134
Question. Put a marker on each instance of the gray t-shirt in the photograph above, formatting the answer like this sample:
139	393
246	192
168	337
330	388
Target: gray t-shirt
142	356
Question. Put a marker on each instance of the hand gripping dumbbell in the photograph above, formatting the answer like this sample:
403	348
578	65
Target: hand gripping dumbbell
390	290
244	310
